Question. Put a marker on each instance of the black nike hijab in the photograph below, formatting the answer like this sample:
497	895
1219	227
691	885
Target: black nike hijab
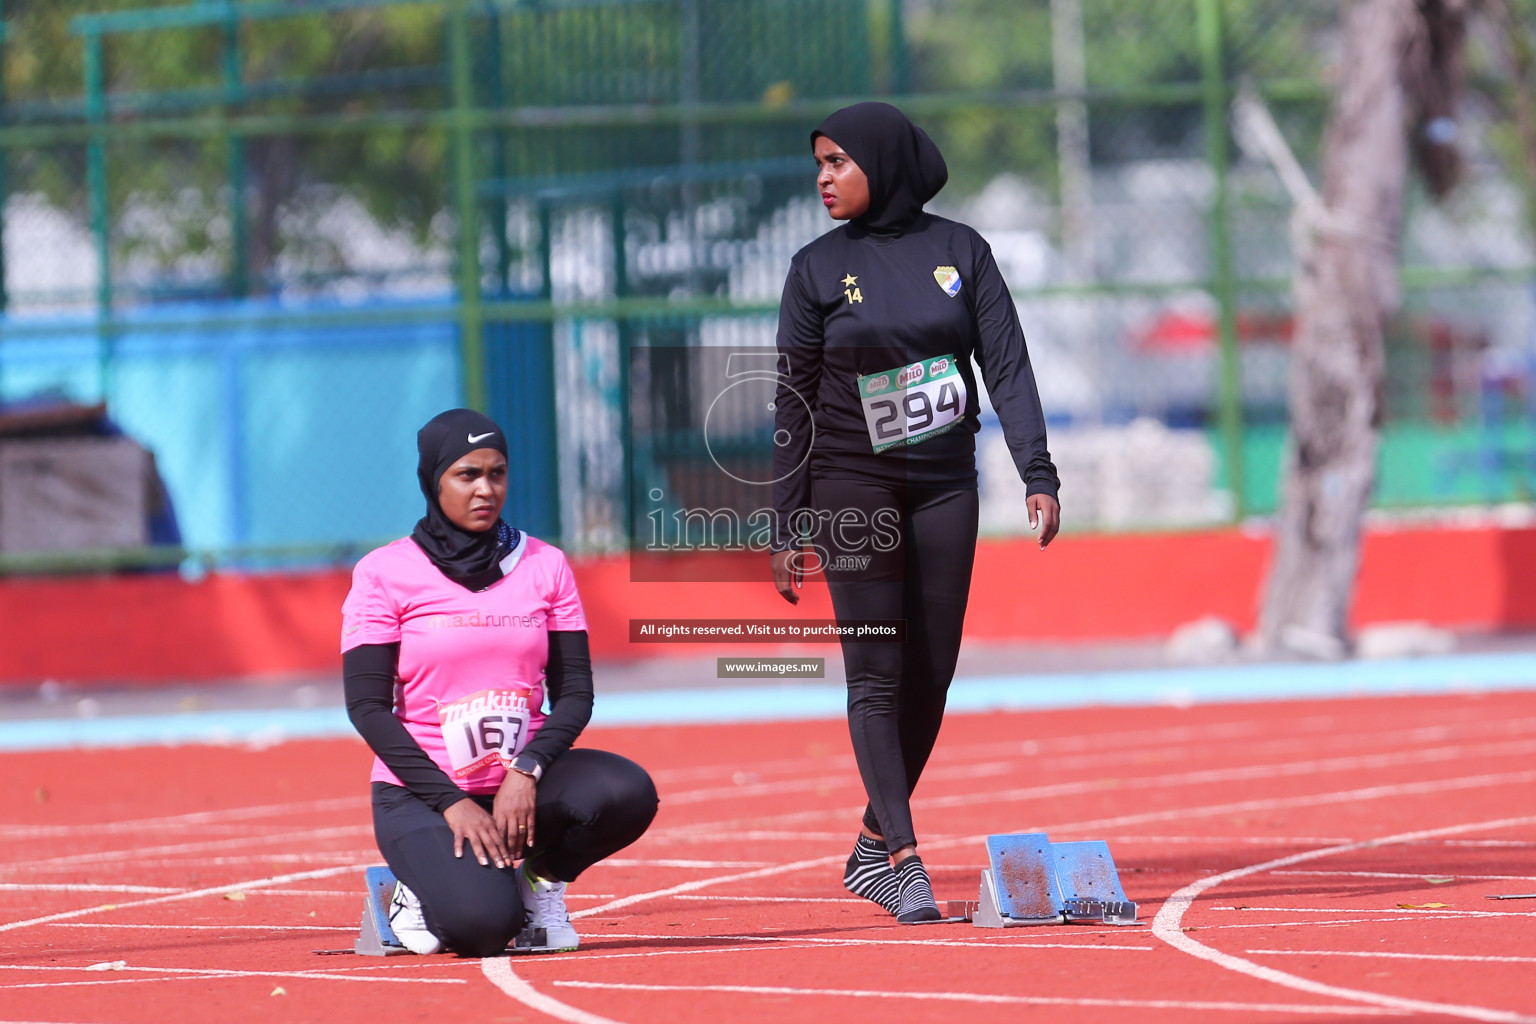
470	559
905	169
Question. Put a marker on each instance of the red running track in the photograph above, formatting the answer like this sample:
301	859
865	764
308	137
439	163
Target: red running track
1272	848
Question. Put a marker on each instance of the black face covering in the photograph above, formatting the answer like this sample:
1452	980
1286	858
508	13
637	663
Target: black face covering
905	169
468	558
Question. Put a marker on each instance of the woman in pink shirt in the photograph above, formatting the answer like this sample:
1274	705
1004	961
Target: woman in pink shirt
451	639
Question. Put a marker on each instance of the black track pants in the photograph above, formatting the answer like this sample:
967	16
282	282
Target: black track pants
590	804
920	572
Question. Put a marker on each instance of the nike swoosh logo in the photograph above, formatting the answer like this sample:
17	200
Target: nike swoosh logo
473	438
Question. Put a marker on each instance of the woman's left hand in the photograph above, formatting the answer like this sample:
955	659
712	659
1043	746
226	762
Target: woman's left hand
1045	516
514	809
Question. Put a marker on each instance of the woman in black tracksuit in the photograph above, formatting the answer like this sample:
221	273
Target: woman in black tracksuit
874	464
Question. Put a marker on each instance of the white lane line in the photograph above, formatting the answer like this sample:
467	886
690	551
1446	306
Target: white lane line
1420	875
217	890
1272	803
758	944
1283	769
642	862
981	997
826	780
211	927
103	981
202	862
1397	727
190	973
1159	737
704	838
1449	957
81	887
1099	759
737	838
700	883
1228	840
499	972
773	899
1347	796
1167	925
349	894
980	942
507	980
759	835
137	854
1446	911
194	819
670	952
1421	915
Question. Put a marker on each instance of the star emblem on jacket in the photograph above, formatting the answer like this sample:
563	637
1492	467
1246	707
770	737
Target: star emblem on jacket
851	290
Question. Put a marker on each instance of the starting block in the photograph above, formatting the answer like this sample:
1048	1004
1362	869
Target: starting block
1031	881
376	937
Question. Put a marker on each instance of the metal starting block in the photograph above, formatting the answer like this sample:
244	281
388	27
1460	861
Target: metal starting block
1032	881
376	937
529	940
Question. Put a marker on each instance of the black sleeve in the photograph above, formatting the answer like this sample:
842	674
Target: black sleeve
568	681
801	342
1010	381
368	674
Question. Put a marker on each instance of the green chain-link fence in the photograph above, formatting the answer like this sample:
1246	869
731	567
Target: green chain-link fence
275	236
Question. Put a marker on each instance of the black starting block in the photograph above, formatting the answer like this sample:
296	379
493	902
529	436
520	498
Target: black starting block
376	937
1032	881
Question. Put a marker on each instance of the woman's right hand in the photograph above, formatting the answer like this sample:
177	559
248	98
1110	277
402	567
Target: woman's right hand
472	822
788	577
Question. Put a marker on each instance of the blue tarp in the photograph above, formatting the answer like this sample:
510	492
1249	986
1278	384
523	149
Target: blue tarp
265	434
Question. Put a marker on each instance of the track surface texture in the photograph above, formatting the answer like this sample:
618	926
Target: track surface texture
1293	861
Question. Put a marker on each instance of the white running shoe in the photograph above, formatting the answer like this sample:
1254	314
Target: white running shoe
545	905
409	924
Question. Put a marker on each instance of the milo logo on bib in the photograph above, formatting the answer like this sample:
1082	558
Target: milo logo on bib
909	404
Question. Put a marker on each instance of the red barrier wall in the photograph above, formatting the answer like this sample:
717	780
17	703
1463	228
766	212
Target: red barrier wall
154	629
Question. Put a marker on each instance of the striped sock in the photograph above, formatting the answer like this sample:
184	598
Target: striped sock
869	874
917	902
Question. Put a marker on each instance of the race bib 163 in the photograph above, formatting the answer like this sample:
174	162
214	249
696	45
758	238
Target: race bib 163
483	728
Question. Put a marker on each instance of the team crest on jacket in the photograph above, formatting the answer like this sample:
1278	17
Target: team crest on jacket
949	280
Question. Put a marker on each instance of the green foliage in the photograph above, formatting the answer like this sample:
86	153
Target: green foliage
1129	49
394	59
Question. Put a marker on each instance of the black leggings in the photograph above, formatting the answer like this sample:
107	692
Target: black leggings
590	804
920	572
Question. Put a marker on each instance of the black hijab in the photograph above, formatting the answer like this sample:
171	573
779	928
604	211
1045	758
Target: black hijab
905	169
470	559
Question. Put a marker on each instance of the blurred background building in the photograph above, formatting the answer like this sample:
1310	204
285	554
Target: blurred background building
269	239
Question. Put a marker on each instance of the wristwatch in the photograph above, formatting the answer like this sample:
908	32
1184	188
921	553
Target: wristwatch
527	764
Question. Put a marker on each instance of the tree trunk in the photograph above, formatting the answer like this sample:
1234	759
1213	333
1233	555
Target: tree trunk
1399	62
